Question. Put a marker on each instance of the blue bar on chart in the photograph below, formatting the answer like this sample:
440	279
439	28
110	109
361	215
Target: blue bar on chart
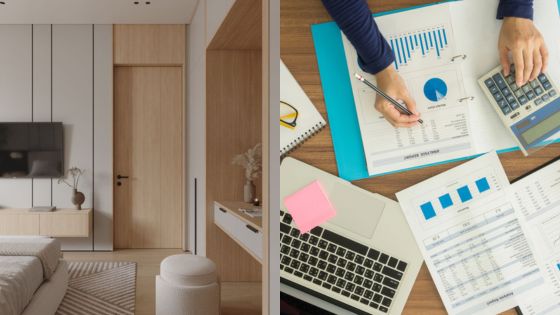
428	210
402	49
431	41
464	193
445	201
482	185
558	265
436	43
394	54
407	48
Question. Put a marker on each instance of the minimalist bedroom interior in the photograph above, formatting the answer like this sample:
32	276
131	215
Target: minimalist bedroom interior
133	136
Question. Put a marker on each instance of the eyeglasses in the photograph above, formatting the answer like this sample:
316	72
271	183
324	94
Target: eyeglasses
288	115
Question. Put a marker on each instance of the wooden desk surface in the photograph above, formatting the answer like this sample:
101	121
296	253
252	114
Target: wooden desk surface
298	53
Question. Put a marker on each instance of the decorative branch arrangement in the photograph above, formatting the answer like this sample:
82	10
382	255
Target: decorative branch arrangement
76	173
250	161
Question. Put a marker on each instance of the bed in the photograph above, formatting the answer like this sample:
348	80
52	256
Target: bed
33	277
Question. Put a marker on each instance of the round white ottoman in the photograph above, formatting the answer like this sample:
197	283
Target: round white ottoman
187	285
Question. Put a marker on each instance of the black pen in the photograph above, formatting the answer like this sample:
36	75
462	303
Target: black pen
398	105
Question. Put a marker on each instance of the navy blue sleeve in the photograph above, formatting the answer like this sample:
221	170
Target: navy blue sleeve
355	20
515	8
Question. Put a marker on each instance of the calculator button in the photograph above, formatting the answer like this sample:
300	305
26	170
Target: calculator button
498	97
489	83
534	84
493	89
523	100
499	80
538	101
514	115
542	78
552	93
506	110
531	95
539	90
510	99
510	79
513	87
514	104
545	97
503	103
526	88
547	85
506	92
519	93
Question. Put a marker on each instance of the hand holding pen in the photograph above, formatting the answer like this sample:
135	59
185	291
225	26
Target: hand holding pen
398	114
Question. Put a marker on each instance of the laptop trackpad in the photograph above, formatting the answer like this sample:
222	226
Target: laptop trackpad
356	211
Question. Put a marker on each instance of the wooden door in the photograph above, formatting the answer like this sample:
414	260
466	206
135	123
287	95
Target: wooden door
149	151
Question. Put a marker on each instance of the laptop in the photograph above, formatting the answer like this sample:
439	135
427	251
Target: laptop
362	261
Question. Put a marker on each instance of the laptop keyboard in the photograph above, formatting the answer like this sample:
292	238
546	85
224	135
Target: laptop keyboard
341	265
511	97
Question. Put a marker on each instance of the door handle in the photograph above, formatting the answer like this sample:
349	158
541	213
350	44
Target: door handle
254	230
122	177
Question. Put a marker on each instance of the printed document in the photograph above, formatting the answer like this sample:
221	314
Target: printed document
471	238
424	53
536	199
441	53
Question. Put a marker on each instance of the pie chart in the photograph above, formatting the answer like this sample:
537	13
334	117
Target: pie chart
435	89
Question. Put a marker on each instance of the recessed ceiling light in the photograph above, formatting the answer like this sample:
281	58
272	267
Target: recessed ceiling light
2	2
148	2
136	2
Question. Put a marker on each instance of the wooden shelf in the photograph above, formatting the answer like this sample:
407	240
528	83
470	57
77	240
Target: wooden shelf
57	223
234	207
246	231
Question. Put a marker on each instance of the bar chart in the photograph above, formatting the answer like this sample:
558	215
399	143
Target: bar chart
458	196
407	47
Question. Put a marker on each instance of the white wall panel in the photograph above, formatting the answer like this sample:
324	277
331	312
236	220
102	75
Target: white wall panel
196	129
15	100
73	105
42	188
80	100
103	137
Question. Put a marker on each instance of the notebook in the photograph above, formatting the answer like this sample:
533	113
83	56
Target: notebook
484	128
296	107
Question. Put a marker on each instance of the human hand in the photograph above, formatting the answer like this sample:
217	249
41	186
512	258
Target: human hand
390	82
523	40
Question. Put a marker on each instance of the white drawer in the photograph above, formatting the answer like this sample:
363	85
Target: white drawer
244	234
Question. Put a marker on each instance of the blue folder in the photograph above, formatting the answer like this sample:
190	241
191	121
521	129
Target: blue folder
339	101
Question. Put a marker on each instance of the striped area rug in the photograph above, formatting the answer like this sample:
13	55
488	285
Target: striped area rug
100	287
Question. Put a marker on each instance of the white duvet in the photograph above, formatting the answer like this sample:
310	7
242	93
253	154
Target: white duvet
25	262
20	277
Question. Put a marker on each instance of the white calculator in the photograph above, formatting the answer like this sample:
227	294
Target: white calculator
530	112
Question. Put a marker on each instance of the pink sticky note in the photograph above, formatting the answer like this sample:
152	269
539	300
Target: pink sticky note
309	207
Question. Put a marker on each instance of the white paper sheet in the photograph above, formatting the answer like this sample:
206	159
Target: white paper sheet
475	24
470	237
536	199
423	53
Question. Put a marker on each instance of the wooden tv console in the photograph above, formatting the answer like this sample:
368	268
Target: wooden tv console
57	223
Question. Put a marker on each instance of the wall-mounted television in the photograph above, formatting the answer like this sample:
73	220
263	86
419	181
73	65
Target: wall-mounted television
31	150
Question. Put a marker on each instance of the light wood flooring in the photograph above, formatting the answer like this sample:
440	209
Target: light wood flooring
238	298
